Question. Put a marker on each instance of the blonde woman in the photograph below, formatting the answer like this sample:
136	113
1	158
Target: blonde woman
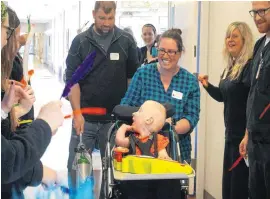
233	91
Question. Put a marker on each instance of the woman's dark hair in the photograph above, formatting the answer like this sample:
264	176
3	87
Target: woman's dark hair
13	19
8	54
148	25
174	34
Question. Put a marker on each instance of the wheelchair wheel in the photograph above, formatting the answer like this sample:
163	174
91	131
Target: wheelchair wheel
184	194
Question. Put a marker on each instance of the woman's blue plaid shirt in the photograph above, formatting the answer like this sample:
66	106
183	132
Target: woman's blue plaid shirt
183	93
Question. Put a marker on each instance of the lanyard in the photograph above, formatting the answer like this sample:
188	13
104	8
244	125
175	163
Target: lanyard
260	66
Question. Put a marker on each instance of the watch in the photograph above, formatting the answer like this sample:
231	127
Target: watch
4	115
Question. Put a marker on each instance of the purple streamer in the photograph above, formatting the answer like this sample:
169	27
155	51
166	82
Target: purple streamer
80	73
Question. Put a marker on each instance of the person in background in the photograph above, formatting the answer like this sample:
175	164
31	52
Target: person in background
256	142
154	51
233	91
116	61
149	34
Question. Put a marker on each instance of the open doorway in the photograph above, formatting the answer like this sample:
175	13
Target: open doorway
140	13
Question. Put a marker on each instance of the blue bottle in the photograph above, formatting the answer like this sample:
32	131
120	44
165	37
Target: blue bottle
84	172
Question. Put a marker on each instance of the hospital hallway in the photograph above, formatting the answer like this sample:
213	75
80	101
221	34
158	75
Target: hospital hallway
47	88
203	24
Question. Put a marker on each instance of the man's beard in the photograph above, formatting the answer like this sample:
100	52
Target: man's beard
103	32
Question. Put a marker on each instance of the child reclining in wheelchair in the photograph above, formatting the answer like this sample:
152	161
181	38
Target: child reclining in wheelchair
143	138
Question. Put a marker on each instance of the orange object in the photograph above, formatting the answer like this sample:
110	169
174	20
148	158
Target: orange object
121	149
118	156
30	73
67	116
117	160
23	82
88	111
93	111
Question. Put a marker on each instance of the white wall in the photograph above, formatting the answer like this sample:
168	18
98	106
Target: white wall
86	8
187	10
58	42
220	15
71	20
186	19
70	25
48	25
204	33
184	15
48	44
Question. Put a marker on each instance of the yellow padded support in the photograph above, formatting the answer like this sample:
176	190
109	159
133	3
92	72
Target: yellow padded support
149	165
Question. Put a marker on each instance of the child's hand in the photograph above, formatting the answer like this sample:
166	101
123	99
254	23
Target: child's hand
127	127
169	120
120	138
165	157
162	154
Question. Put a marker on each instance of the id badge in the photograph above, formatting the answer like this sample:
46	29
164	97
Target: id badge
177	95
114	56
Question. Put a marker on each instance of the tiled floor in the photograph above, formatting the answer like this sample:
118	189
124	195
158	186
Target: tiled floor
47	88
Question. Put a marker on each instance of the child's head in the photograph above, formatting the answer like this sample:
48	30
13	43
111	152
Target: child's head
151	115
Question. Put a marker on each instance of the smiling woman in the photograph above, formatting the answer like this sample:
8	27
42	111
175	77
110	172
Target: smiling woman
149	33
170	49
238	47
233	90
166	82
